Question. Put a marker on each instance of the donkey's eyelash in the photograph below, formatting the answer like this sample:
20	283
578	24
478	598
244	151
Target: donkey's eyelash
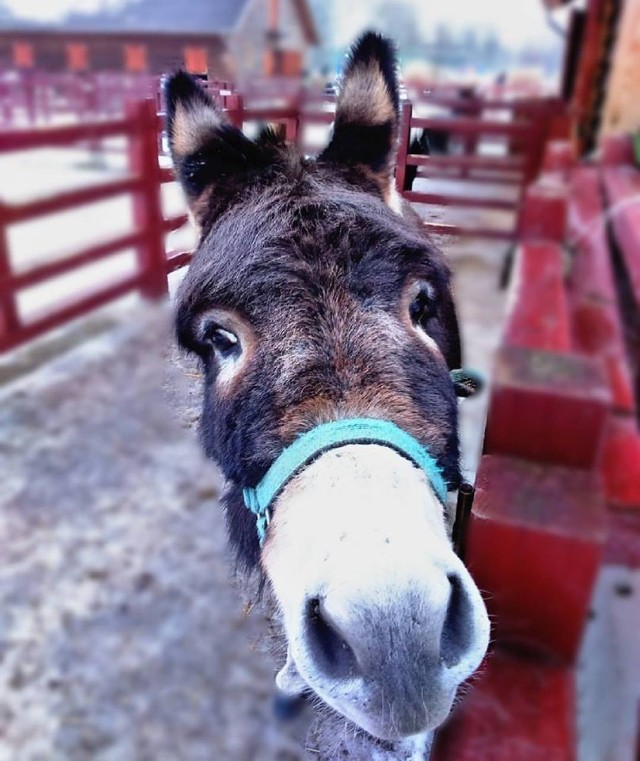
221	340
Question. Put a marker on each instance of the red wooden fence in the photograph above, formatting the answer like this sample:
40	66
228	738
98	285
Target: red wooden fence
142	184
523	131
141	125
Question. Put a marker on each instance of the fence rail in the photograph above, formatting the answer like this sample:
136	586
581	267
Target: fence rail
142	186
141	126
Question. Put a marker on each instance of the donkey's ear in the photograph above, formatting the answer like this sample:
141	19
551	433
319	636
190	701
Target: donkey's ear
211	158
367	110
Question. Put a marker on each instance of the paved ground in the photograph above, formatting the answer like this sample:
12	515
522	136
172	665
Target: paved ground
122	635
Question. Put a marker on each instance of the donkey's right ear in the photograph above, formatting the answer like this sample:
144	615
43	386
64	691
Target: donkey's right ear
211	157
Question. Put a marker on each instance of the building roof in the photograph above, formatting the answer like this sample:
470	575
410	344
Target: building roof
204	17
208	16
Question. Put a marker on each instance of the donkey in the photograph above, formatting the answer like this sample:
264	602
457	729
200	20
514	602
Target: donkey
324	321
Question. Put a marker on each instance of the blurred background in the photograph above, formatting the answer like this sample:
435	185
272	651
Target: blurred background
123	632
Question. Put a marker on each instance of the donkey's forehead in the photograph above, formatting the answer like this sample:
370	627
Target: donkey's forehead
318	230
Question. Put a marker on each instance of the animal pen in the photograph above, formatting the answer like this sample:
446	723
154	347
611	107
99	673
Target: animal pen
558	487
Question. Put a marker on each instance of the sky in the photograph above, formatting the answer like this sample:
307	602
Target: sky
516	21
51	10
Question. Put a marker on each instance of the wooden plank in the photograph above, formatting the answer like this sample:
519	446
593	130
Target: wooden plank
36	326
593	297
538	280
178	259
548	407
513	709
438	228
502	163
441	199
534	545
174	223
46	137
69	199
61	266
464	175
622	186
467	126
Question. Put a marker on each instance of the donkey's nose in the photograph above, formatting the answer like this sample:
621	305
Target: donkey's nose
457	629
327	644
398	629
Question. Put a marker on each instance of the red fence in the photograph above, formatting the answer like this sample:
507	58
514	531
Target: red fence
518	129
142	185
141	127
34	97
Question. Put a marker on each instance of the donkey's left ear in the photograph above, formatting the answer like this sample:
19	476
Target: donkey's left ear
367	110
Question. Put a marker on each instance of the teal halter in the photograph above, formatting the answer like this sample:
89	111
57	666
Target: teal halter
327	436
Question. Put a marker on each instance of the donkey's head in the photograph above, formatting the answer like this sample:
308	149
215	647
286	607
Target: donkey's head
312	299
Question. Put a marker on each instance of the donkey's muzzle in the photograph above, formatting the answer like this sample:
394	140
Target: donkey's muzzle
383	621
393	657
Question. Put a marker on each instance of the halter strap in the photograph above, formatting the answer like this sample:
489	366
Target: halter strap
324	437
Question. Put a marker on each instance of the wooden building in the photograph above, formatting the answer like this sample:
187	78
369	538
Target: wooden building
227	39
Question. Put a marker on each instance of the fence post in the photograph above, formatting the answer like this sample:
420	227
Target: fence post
235	109
403	146
147	202
9	319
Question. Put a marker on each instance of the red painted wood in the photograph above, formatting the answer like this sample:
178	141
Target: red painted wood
147	202
467	162
71	262
178	259
548	407
23	140
534	547
404	137
516	709
440	199
69	312
543	213
470	175
71	199
592	291
623	538
437	228
622	187
620	462
591	272
466	126
539	315
559	156
9	318
142	125
616	150
174	223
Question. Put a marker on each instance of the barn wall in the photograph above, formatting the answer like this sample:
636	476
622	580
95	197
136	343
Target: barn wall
248	46
106	52
622	105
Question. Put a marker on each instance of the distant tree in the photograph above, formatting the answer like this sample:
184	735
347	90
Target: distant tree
492	53
400	21
444	47
470	46
5	13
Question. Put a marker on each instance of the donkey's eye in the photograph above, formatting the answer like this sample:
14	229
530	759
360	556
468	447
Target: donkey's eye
423	306
222	341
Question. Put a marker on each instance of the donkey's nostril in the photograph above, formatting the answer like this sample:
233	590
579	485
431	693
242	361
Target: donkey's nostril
458	629
330	650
